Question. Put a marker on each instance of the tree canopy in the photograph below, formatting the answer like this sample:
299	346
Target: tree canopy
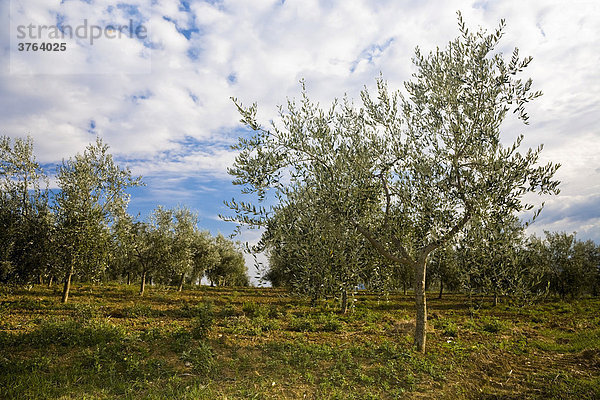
408	171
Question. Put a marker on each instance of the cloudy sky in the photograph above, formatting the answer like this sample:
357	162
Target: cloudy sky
161	100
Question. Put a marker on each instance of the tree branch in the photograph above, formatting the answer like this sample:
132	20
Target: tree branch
381	249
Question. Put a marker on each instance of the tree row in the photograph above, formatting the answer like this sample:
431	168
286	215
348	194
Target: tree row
83	230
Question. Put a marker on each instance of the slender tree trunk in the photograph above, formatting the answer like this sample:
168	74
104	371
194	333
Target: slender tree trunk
421	305
50	281
128	278
180	288
404	284
67	287
41	279
441	288
143	283
495	299
344	301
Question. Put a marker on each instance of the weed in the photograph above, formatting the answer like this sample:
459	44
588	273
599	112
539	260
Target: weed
194	310
302	324
202	322
140	310
82	312
448	328
492	325
228	311
199	358
72	333
252	309
180	339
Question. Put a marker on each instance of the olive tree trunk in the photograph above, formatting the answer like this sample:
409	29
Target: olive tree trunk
181	279
143	283
421	305
344	301
67	287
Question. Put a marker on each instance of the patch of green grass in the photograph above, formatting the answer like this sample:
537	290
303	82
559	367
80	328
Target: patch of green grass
492	324
140	310
557	340
447	327
566	386
202	322
200	358
237	343
71	332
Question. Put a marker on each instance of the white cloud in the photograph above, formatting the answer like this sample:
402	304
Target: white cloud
257	51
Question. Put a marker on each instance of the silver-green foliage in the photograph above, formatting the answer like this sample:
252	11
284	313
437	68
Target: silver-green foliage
406	171
26	223
92	196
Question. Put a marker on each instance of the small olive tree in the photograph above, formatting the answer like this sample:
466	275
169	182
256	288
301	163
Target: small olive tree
407	173
92	194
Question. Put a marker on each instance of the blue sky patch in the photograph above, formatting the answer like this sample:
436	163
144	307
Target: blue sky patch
371	53
187	32
136	98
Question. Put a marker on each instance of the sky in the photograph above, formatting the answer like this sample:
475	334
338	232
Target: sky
160	94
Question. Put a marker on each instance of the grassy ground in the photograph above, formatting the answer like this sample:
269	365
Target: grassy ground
211	343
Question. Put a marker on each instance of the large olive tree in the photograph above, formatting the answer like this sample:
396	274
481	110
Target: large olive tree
408	172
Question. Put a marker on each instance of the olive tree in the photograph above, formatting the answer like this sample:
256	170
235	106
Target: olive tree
92	193
26	221
491	260
408	172
311	254
230	269
205	255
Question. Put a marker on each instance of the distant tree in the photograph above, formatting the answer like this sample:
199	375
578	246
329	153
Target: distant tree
491	258
444	267
586	260
155	246
406	173
572	265
122	248
26	221
205	255
312	255
184	234
231	269
92	193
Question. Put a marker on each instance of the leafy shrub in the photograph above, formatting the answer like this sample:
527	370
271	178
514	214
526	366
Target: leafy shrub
139	311
73	333
202	322
492	325
200	358
302	325
447	327
252	309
